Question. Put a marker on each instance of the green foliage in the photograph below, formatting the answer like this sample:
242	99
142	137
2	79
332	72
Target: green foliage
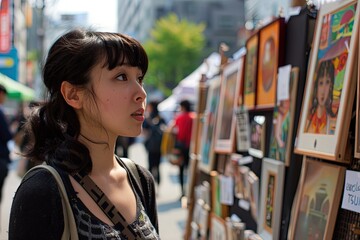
174	50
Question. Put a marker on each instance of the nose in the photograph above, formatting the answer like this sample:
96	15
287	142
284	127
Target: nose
140	95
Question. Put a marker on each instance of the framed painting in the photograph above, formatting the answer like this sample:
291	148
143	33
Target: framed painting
271	43
207	154
283	116
250	68
217	228
330	85
254	194
229	94
257	136
272	184
318	200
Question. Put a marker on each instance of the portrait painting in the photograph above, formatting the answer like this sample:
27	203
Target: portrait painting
229	94
270	56
251	71
318	200
330	85
283	120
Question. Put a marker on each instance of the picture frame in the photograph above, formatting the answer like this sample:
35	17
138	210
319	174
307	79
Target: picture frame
254	187
218	228
250	69
317	201
242	129
271	55
272	187
281	140
257	136
333	54
207	154
229	94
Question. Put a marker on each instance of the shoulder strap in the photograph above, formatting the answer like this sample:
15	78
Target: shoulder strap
132	168
70	230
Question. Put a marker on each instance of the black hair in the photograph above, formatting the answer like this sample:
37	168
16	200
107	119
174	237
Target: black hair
54	126
3	89
186	105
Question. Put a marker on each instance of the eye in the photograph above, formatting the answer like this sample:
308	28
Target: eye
140	80
122	77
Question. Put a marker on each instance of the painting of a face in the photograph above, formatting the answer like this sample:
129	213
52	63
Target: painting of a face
323	88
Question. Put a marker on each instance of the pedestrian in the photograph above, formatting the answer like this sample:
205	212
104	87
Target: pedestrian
182	127
154	125
95	93
123	144
5	136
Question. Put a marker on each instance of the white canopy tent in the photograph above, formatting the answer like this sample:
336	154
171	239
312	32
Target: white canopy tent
188	87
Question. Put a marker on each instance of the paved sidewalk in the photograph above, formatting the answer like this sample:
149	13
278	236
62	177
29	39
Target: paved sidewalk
172	218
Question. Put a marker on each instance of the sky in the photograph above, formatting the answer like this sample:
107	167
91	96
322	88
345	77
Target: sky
101	13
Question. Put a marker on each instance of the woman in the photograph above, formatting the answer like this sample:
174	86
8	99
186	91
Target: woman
321	109
95	93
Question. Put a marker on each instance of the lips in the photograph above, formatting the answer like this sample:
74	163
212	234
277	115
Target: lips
139	115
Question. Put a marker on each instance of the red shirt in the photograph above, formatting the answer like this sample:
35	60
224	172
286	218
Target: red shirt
183	122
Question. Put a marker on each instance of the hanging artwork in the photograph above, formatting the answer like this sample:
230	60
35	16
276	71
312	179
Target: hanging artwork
229	94
330	85
251	71
272	183
257	136
283	117
318	200
271	42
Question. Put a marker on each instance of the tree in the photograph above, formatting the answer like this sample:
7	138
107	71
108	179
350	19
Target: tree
174	50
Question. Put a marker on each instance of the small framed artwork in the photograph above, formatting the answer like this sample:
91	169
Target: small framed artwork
207	154
271	44
250	75
272	184
330	85
284	113
217	228
242	129
254	194
318	200
257	136
229	94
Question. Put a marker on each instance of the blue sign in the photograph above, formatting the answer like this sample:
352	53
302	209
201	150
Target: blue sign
9	63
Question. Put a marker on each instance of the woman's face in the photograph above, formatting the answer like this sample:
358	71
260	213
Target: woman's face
119	101
323	88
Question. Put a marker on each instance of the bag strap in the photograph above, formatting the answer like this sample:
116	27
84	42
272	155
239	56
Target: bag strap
105	204
70	230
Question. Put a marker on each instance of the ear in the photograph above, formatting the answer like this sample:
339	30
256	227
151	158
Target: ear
72	94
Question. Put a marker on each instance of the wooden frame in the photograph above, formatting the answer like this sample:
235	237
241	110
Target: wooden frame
254	194
207	154
271	45
257	136
325	136
229	94
283	121
272	184
217	228
318	200
250	68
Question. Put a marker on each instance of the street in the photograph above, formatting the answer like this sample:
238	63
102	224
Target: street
172	218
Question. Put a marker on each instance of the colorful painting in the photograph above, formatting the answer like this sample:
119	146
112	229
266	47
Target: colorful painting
330	86
269	59
283	121
257	136
318	200
251	71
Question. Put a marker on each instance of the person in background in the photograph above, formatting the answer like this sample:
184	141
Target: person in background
123	143
95	93
5	136
153	126
181	125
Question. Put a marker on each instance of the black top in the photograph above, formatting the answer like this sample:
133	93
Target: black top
36	212
5	136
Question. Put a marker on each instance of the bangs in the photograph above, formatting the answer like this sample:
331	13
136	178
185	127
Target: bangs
120	49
